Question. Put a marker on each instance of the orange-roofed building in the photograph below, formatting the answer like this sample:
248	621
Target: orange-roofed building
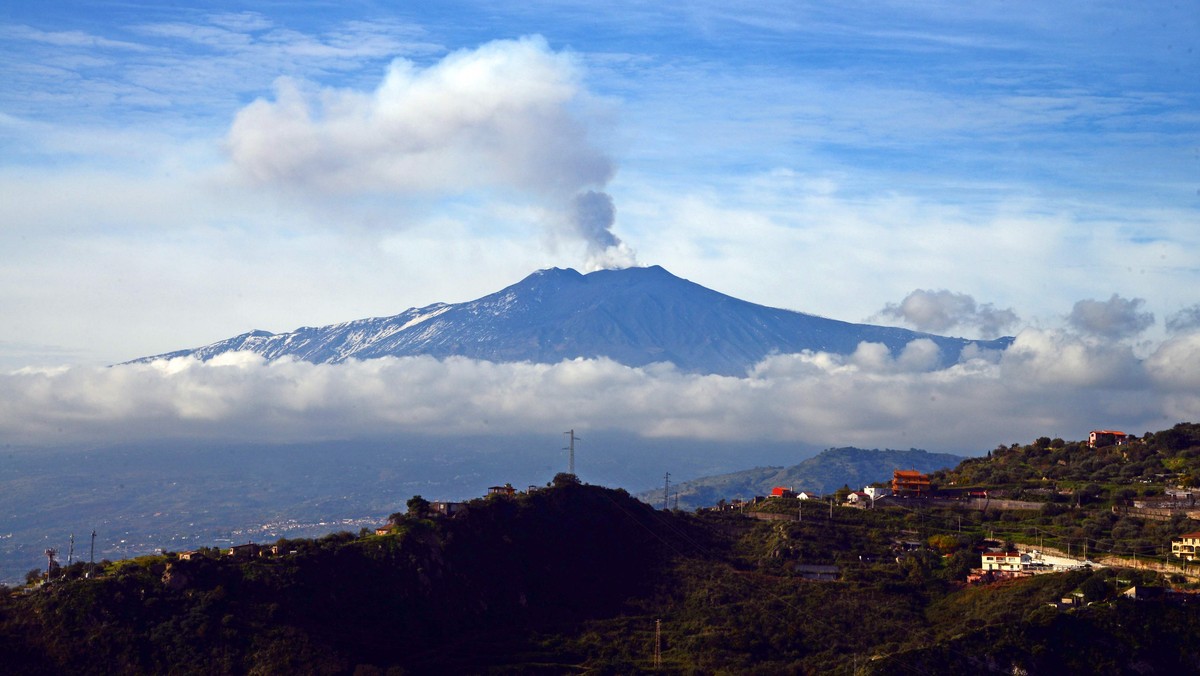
781	492
910	483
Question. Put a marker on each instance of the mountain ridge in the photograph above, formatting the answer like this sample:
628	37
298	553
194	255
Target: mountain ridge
635	316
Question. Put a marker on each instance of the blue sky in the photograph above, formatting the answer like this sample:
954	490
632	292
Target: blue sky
174	176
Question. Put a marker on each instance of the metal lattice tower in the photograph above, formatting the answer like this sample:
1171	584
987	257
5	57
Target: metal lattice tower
571	448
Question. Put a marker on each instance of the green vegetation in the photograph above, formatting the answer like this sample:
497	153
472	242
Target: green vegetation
573	579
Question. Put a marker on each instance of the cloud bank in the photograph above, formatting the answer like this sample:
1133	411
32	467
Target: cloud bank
1046	383
510	115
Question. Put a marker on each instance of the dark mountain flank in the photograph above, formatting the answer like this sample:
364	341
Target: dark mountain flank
635	316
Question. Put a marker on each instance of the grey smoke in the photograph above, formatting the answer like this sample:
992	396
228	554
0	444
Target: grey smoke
592	215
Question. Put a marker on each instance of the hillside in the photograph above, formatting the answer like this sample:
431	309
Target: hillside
823	473
635	316
576	579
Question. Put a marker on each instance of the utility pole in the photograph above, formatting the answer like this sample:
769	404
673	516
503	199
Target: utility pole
800	511
92	556
658	644
71	550
571	448
667	491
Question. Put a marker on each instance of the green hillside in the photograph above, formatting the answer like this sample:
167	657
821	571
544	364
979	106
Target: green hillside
583	579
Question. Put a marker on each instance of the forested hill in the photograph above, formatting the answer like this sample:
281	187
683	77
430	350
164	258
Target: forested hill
544	561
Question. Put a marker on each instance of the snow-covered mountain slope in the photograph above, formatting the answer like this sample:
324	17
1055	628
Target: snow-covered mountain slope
635	316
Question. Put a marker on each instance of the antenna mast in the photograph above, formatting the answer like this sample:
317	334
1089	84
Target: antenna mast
571	448
667	491
71	551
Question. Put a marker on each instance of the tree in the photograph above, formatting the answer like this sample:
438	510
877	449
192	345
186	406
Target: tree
417	506
565	479
1094	588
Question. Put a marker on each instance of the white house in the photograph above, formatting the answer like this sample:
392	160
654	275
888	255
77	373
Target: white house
1005	561
875	492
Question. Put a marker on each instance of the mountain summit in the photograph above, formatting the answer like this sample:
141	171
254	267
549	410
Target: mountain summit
635	316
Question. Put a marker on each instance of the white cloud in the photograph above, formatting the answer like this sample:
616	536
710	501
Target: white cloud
1115	318
510	116
1047	383
942	311
499	116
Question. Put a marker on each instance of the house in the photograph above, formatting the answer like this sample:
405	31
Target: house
1144	593
876	492
1101	438
447	508
1002	561
506	490
805	495
859	499
1186	546
909	483
781	492
384	530
1068	602
188	556
246	551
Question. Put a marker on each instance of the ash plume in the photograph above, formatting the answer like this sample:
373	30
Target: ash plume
592	216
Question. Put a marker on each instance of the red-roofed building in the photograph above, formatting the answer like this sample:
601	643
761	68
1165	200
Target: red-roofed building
781	492
1101	438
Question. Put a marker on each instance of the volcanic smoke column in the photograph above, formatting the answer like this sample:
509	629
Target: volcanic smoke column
592	216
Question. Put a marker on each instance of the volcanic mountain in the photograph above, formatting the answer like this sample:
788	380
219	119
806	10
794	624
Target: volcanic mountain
635	316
